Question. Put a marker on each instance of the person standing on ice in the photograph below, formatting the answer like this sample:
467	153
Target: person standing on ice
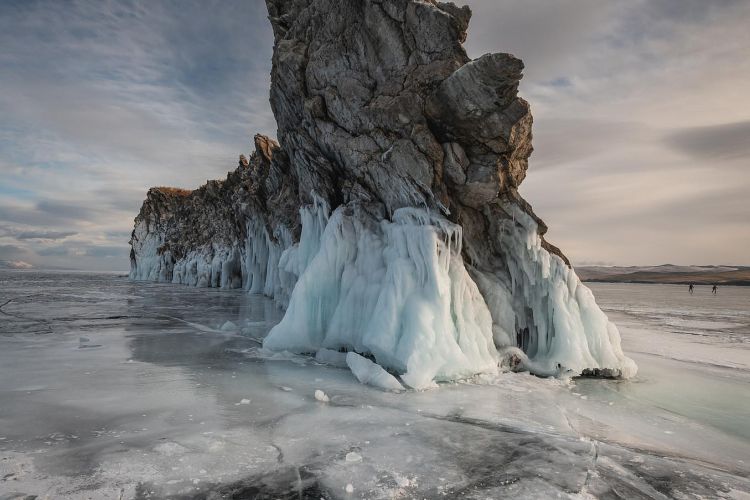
714	289
690	288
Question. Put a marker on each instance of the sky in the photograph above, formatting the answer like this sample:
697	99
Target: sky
641	119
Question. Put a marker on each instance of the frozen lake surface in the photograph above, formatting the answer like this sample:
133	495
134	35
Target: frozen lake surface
113	389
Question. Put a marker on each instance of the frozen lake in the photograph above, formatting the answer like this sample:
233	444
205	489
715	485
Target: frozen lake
113	389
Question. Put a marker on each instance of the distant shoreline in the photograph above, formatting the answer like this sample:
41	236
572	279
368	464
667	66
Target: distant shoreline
653	282
668	274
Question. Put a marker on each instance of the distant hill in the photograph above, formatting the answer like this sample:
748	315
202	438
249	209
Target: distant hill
667	273
14	264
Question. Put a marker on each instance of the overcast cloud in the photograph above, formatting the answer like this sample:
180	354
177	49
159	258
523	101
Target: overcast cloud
642	119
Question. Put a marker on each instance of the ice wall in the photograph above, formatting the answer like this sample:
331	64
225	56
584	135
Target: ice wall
213	265
565	325
149	262
396	289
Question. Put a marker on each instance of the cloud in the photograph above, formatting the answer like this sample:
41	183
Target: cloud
23	215
548	36
103	99
726	141
47	213
84	249
64	210
629	164
10	252
107	251
44	235
562	141
56	251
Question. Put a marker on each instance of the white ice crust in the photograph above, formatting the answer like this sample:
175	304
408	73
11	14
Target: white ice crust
399	290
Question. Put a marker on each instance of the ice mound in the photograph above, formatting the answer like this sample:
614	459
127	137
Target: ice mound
399	290
565	325
370	373
395	289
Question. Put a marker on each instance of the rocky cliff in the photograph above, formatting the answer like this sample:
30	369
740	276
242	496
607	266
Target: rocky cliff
388	220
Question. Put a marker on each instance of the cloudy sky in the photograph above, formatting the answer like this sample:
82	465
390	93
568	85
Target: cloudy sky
642	119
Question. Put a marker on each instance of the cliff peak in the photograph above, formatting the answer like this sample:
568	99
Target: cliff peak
171	191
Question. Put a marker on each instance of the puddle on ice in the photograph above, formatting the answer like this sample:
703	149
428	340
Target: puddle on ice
174	404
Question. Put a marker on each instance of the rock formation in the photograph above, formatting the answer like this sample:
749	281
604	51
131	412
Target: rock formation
388	220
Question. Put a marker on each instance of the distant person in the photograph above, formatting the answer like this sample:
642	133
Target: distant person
690	288
714	289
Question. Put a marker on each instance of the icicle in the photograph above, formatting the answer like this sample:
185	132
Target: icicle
570	328
391	293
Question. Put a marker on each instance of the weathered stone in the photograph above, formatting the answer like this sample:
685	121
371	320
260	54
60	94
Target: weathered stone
264	147
455	164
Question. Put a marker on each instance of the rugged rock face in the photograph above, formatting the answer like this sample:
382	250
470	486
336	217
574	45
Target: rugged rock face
388	220
208	237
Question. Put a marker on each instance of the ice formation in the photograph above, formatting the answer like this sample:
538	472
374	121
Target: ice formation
566	326
387	222
396	289
371	373
399	290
